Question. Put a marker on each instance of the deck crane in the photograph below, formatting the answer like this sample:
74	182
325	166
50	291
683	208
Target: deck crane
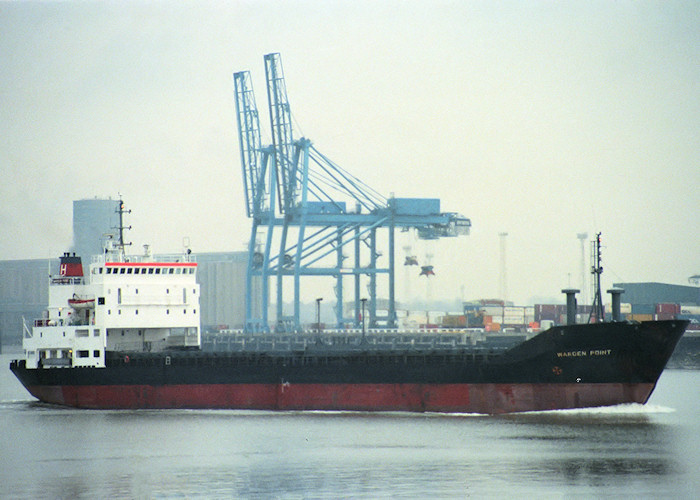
311	213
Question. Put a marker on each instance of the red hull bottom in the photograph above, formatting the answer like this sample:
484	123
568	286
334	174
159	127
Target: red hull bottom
457	398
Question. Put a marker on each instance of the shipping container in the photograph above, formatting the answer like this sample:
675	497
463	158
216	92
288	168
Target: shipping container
640	317
643	309
493	327
514	320
690	310
624	308
549	311
493	310
454	321
667	308
545	317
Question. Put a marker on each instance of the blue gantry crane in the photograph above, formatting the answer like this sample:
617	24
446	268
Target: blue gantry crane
312	218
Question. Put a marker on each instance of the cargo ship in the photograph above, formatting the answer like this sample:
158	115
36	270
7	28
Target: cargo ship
127	336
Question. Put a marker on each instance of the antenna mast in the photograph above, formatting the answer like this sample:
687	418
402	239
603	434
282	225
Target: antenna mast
121	211
597	310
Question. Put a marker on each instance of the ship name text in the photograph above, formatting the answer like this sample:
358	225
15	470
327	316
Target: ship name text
583	354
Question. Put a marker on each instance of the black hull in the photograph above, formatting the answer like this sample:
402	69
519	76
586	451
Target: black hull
564	367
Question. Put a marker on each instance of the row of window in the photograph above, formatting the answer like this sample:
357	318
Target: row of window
136	311
78	333
86	354
144	270
136	292
167	291
51	353
64	354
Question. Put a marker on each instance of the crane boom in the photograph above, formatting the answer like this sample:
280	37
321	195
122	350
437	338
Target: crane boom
281	123
249	141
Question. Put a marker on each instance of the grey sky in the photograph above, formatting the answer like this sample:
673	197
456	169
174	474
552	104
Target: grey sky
542	119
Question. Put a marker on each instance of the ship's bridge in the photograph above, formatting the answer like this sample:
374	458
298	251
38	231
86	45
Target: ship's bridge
144	265
118	257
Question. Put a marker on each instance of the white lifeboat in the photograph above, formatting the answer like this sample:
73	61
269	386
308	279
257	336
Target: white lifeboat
81	303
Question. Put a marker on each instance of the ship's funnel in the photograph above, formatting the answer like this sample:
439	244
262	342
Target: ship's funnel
71	266
570	305
615	295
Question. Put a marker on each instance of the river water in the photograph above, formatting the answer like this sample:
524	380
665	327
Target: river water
629	451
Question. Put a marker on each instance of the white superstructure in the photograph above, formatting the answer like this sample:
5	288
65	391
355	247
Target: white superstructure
126	304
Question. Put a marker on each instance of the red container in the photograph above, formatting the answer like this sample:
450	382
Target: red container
667	308
545	311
